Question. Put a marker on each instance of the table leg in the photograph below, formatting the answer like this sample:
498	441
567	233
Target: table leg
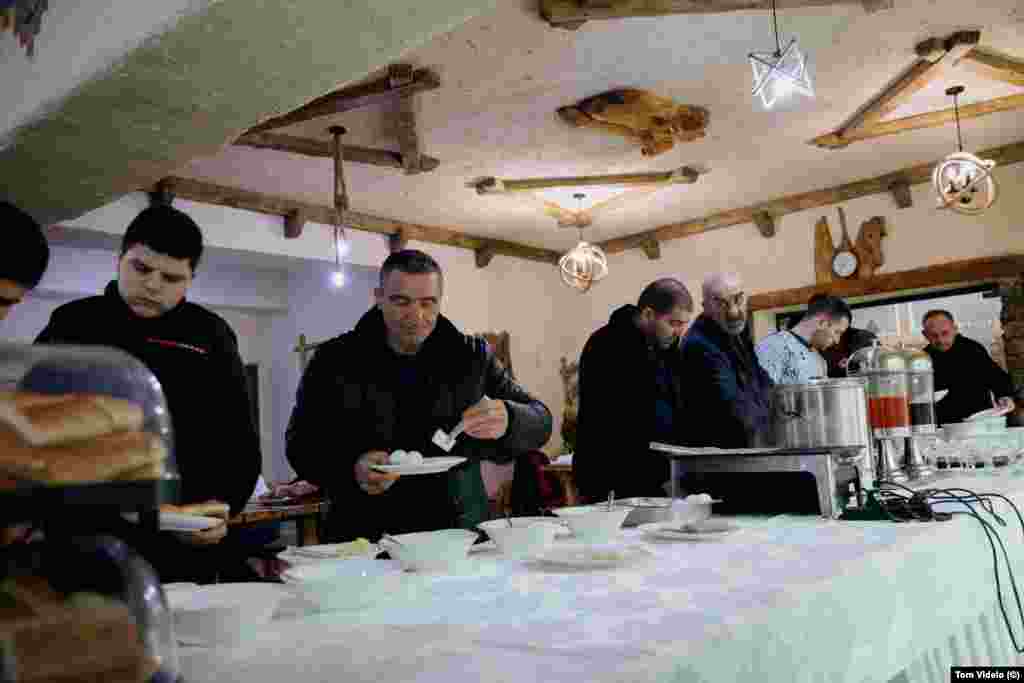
673	470
307	531
572	496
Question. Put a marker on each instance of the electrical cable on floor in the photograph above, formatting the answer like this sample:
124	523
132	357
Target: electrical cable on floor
903	504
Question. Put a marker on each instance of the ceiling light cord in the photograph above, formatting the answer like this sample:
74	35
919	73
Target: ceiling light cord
775	24
956	115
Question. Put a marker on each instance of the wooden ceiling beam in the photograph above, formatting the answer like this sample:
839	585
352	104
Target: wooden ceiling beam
930	119
913	175
683	175
571	14
220	195
353	97
934	55
942	274
401	75
994	66
322	148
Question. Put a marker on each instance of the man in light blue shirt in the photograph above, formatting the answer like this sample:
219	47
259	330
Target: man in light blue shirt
793	356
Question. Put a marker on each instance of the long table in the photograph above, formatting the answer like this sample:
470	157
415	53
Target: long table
783	599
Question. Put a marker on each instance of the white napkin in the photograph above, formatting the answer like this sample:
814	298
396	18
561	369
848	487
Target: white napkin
564	459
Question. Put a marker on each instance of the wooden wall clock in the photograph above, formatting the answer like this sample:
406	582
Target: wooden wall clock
851	259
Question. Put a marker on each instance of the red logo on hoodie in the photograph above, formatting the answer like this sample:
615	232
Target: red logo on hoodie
177	345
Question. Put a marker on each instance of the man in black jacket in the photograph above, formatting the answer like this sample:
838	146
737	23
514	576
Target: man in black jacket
403	372
192	351
965	368
630	395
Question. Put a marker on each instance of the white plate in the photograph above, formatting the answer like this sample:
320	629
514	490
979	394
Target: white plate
592	556
706	530
429	466
329	551
176	521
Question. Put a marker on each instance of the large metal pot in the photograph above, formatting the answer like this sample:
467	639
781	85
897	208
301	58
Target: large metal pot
822	413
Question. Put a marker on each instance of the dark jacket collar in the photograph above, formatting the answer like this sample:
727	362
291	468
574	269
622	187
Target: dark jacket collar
113	295
371	332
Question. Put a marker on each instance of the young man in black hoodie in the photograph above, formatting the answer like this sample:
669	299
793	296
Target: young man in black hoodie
629	395
193	352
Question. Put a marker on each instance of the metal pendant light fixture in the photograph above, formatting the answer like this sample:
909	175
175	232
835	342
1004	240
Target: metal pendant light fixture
340	207
962	181
584	264
782	73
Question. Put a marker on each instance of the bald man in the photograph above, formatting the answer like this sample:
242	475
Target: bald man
729	392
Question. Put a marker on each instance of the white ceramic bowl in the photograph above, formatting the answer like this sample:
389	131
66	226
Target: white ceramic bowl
526	536
222	613
690	512
594	523
431	550
343	584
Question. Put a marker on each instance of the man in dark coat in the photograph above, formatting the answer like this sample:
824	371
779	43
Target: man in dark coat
630	395
728	392
192	351
965	368
403	372
729	405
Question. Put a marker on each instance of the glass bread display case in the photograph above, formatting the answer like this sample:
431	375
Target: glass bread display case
82	429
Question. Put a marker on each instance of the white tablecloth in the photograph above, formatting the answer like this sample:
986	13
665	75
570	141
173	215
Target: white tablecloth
785	599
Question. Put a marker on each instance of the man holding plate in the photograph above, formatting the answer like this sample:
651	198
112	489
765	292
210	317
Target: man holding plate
388	385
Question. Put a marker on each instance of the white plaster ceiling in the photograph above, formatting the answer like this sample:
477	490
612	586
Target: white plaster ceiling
505	73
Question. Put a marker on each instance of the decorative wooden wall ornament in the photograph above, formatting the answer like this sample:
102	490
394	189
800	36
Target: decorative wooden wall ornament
294	222
655	123
652	248
765	224
868	247
824	250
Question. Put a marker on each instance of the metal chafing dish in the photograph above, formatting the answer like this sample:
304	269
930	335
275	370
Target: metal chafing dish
834	468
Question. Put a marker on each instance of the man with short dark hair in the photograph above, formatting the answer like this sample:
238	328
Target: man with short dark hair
964	367
24	256
794	356
629	394
192	351
402	373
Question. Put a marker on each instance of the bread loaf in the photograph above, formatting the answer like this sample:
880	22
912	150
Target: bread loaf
99	459
43	422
